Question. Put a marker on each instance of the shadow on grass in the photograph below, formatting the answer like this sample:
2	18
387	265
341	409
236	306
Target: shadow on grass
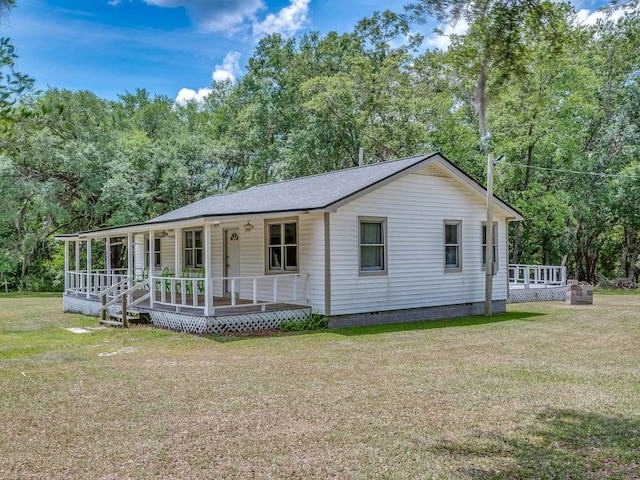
386	328
563	444
431	324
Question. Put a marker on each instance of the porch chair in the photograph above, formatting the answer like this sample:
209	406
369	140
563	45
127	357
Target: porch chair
142	277
186	273
165	273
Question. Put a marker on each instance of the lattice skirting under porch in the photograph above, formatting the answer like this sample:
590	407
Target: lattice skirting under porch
552	294
80	305
227	323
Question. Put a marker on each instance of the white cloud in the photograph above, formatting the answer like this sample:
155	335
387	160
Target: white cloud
443	40
287	21
215	15
229	69
587	17
186	95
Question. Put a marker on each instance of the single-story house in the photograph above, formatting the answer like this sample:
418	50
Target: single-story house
394	241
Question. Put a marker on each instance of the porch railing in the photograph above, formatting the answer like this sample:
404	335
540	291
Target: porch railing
288	288
536	276
242	291
93	283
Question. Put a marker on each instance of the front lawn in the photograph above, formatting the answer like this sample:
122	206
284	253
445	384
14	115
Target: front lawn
545	391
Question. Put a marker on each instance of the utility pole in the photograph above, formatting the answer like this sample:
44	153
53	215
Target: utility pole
488	310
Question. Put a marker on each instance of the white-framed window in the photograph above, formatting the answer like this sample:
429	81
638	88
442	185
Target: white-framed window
156	253
495	246
372	239
282	246
452	246
193	251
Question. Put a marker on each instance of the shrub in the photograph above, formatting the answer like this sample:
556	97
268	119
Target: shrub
313	321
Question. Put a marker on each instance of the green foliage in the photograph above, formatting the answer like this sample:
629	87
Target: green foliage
312	322
558	98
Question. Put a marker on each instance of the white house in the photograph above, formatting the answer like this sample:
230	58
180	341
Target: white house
395	241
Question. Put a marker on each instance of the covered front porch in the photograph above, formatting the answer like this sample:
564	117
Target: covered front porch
200	277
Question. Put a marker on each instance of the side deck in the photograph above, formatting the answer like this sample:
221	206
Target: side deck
537	283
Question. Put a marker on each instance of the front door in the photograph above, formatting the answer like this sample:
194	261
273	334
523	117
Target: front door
232	257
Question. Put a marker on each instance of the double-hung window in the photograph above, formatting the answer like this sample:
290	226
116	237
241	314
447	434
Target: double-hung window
156	253
192	248
452	246
282	246
372	241
494	249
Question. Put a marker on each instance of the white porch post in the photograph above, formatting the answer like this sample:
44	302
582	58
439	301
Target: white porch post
130	253
66	266
152	252
208	284
151	264
178	251
77	281
107	258
89	241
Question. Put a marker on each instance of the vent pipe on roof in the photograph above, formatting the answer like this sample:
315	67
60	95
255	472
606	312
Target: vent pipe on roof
361	157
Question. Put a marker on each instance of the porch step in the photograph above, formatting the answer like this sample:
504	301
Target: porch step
113	323
115	319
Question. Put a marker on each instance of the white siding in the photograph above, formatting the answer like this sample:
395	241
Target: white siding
138	253
311	256
415	206
167	254
217	259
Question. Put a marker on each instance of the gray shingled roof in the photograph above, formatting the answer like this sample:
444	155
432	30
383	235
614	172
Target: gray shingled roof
306	193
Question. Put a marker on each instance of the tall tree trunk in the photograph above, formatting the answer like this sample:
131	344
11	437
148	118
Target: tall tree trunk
633	263
622	268
515	256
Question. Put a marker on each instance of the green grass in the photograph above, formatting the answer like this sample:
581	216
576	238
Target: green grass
545	391
617	291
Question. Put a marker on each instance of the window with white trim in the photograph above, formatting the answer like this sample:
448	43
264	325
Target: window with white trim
193	251
452	245
282	246
495	246
372	234
156	252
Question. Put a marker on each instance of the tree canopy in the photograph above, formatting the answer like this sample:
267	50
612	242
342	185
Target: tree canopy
556	99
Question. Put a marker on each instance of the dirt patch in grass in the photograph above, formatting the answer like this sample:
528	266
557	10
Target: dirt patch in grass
548	391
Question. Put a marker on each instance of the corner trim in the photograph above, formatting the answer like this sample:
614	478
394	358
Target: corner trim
327	264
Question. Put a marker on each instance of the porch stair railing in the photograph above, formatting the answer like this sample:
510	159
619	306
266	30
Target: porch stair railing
124	297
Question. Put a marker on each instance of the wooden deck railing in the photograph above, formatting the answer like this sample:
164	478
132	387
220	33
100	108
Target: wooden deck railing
535	276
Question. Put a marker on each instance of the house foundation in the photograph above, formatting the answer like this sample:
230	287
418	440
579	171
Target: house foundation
442	312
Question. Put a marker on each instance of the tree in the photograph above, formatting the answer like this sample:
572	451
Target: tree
490	53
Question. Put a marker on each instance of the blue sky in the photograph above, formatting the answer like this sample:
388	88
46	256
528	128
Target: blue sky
170	47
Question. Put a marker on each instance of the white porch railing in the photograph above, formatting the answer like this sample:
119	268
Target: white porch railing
536	276
242	291
93	283
288	288
177	292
